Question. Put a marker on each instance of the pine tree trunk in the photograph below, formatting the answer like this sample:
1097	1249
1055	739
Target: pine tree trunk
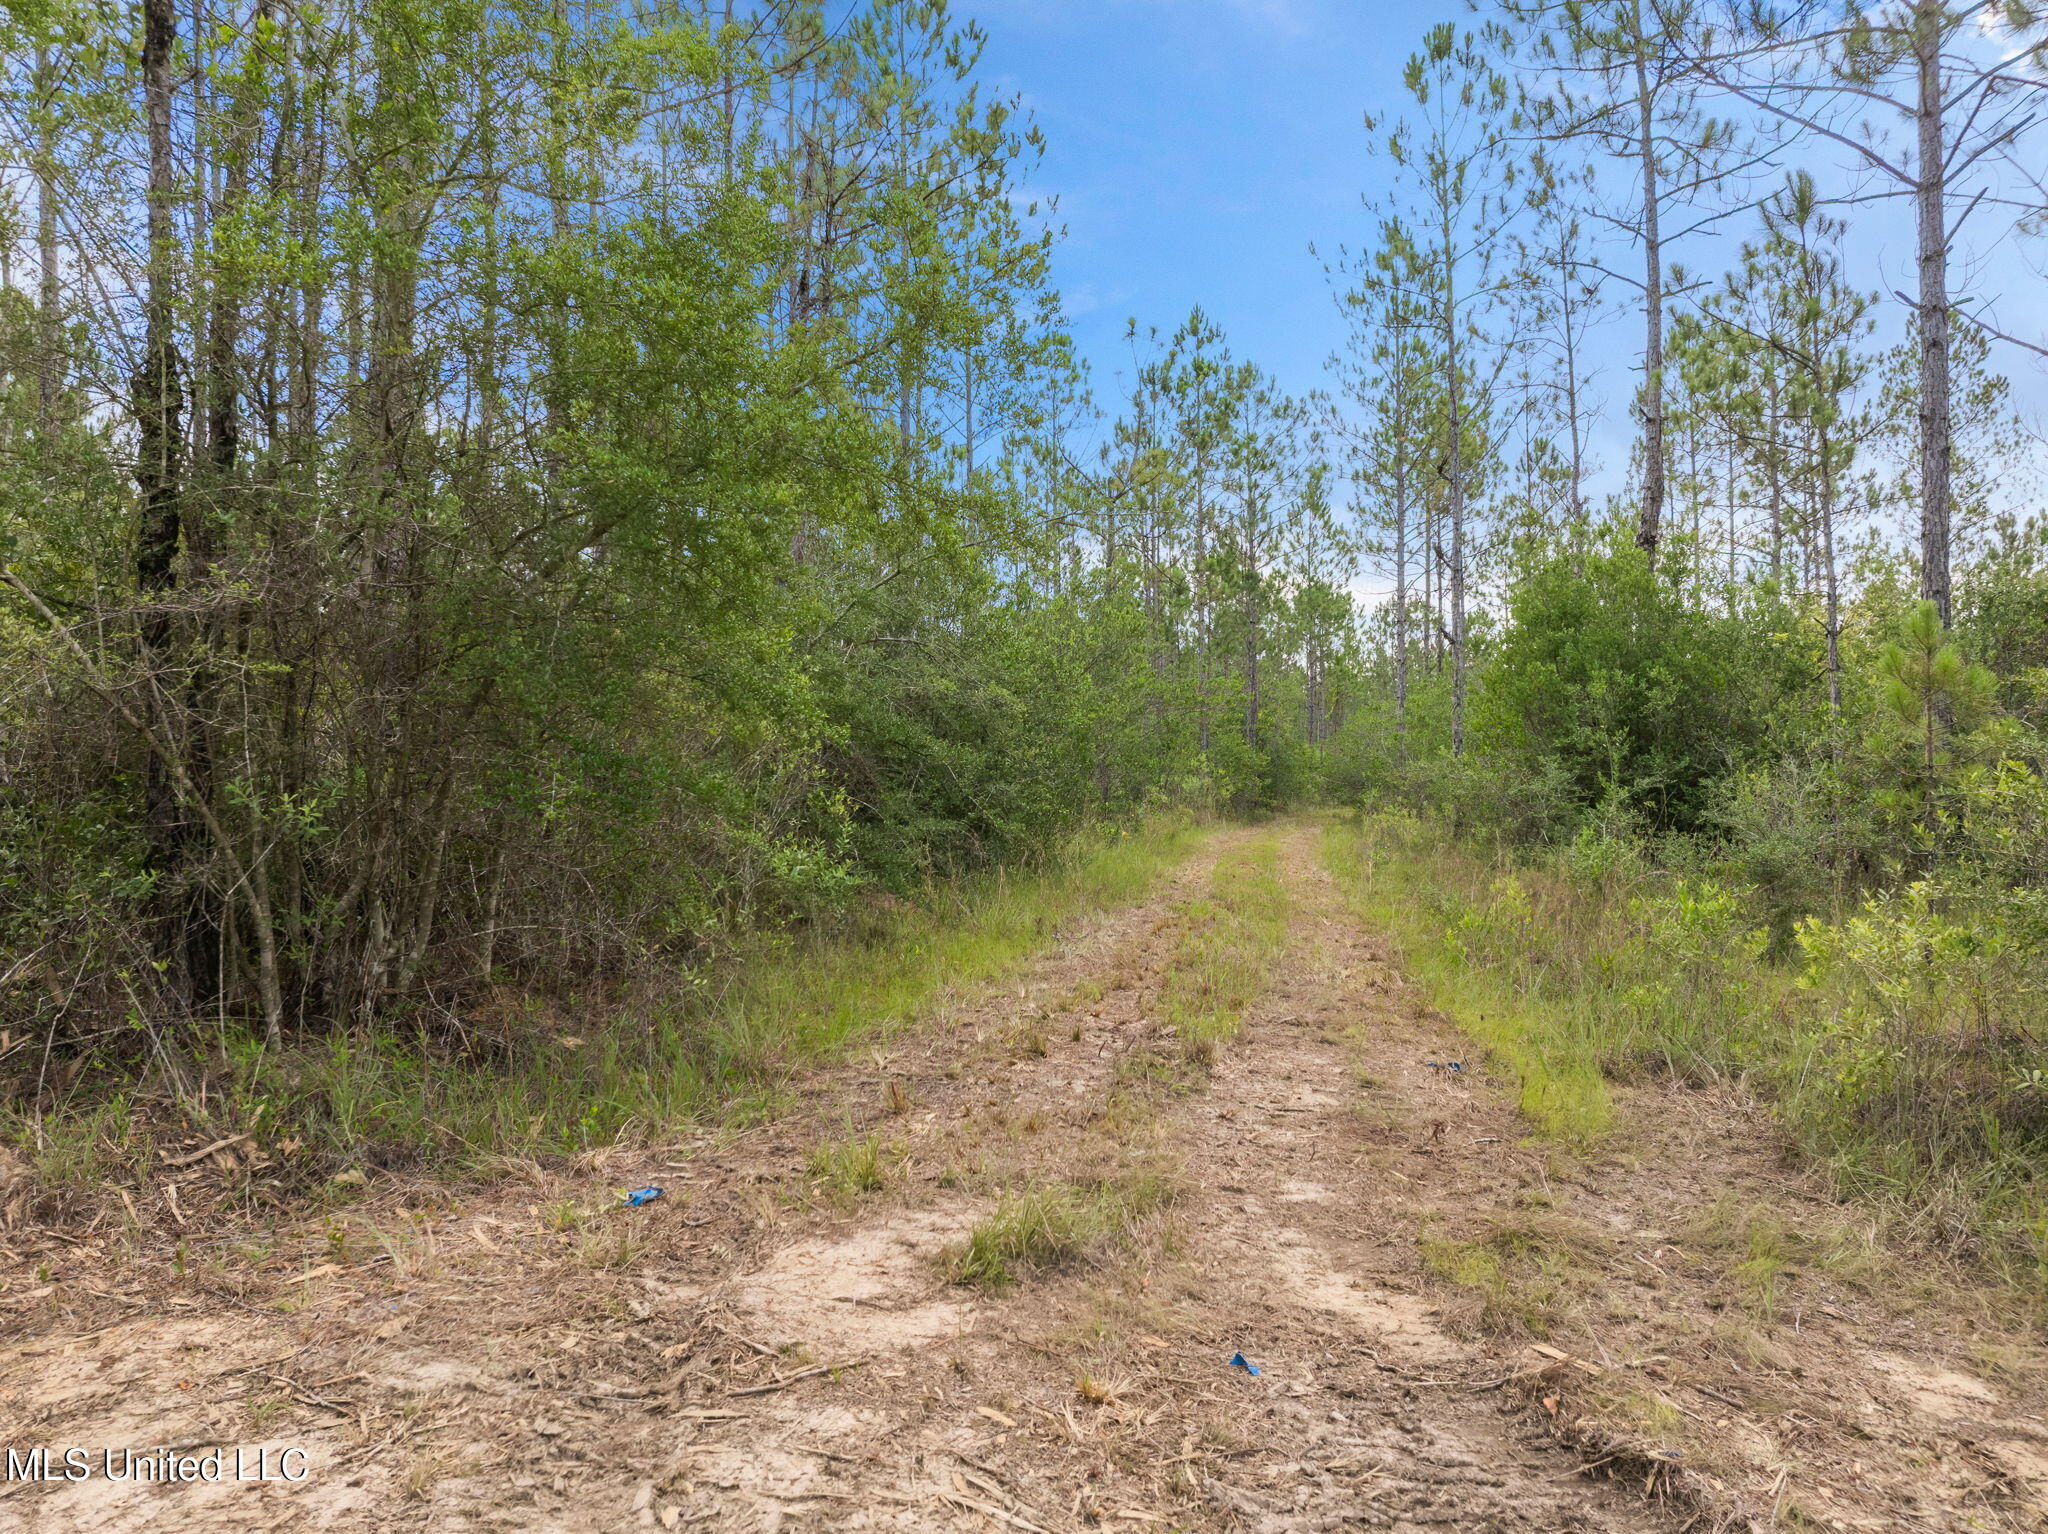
1401	580
156	402
49	318
1774	480
1454	398
1650	527
1833	584
1930	208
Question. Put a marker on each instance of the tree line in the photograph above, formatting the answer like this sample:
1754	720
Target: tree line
498	494
501	495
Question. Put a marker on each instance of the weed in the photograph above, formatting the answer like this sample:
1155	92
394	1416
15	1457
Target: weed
1759	1272
562	1216
612	1249
1054	1223
421	1474
1106	1390
846	1169
1525	1274
1143	1068
1437	927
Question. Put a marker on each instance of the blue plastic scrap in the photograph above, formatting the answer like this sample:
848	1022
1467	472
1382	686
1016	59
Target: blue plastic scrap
633	1198
1239	1361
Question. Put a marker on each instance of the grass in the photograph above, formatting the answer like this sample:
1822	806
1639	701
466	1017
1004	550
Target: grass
1113	1176
1762	1251
1050	1224
616	1248
708	1047
1231	937
845	1169
1525	1273
1880	1050
1546	1046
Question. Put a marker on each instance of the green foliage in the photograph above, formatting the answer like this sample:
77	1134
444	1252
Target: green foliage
1453	937
1636	696
1929	686
1903	1048
595	522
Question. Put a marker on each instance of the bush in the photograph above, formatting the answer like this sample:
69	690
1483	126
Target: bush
1634	696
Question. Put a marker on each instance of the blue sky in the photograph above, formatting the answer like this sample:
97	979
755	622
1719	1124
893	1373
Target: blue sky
1197	148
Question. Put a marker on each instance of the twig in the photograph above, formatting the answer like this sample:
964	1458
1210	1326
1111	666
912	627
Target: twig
844	1459
955	1499
790	1379
171	1162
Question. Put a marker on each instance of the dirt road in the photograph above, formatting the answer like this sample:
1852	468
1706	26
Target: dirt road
1455	1327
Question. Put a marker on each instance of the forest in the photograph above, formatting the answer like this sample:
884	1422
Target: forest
560	564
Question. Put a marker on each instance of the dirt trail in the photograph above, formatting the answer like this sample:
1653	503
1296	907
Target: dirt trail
1455	1328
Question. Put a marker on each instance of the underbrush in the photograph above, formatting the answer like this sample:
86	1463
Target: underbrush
522	1079
1899	1042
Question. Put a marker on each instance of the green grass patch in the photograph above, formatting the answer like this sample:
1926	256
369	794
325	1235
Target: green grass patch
1546	1044
1525	1273
1050	1224
1232	936
845	1169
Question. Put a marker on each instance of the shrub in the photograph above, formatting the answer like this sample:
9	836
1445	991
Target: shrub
1634	694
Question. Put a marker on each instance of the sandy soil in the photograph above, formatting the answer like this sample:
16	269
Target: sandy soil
1455	1327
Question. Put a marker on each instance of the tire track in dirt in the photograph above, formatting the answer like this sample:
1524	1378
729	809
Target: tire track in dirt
488	1371
1368	1412
1336	1179
1104	1397
751	1355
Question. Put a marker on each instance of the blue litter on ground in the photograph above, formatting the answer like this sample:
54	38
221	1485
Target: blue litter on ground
1239	1361
633	1198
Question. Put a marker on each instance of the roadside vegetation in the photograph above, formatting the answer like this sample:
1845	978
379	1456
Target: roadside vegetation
1892	1037
685	1050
